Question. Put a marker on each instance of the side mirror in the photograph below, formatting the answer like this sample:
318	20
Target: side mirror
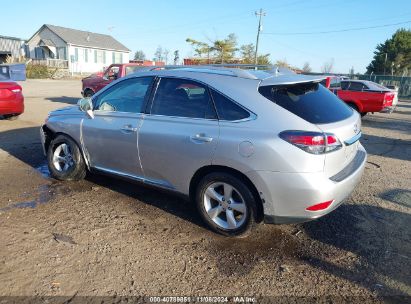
86	105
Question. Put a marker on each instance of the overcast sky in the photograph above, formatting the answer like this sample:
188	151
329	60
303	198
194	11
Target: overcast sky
290	28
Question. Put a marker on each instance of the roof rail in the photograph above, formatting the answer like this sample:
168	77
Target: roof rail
235	70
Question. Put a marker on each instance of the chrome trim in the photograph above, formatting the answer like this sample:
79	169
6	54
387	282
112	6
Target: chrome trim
353	139
161	184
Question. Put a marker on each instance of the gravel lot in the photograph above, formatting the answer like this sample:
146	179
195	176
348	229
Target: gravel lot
106	237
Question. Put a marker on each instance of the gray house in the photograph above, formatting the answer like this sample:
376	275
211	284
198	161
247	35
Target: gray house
11	46
79	51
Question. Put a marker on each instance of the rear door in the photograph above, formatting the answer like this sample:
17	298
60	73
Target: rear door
179	134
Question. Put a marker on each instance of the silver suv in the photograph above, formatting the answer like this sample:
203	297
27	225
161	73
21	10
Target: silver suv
245	146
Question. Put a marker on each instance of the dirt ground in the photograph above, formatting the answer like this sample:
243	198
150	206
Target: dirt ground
107	237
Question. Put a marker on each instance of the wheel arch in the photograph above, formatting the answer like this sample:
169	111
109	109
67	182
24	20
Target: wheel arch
200	173
50	135
357	104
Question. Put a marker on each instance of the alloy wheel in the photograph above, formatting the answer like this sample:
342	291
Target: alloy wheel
224	205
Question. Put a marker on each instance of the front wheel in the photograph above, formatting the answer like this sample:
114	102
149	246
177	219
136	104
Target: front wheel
226	204
64	159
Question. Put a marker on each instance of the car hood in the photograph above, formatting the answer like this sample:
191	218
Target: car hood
66	111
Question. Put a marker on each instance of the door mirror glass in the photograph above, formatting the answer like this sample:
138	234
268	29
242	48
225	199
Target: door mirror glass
86	105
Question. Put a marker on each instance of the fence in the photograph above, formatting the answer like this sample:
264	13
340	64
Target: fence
403	83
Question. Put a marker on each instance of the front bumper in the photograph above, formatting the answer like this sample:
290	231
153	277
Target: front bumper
287	195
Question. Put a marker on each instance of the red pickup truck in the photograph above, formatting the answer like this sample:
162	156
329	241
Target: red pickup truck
96	82
362	95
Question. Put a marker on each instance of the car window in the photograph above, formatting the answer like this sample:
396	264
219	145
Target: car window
310	101
132	69
335	82
345	85
182	98
112	73
356	86
227	109
125	96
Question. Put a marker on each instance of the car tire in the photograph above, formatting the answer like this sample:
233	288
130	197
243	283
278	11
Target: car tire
65	160
213	192
11	116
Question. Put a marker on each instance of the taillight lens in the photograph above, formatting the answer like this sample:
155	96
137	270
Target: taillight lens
320	206
312	142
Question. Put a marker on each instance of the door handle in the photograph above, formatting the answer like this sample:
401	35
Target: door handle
201	138
128	128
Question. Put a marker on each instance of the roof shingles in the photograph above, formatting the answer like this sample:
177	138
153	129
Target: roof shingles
87	39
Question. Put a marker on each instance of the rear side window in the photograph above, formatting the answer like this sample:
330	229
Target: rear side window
227	109
356	86
310	101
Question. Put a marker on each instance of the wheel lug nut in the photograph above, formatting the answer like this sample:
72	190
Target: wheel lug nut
223	199
229	208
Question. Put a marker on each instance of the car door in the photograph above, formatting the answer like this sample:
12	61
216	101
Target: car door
179	135
110	138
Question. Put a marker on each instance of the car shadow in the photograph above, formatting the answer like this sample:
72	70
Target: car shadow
64	99
378	237
388	123
387	147
25	145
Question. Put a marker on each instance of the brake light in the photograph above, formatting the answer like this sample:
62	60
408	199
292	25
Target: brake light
312	142
320	206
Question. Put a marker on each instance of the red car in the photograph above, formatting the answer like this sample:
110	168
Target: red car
94	83
11	99
362	95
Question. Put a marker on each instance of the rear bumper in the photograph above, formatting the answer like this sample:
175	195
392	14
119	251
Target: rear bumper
287	195
15	106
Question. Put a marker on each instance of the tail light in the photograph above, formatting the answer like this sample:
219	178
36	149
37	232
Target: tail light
312	142
15	88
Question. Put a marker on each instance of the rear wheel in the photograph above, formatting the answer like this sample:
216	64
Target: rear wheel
226	204
64	159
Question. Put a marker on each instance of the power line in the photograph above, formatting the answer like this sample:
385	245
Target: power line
338	31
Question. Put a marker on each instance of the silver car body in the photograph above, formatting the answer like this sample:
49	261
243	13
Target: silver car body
168	151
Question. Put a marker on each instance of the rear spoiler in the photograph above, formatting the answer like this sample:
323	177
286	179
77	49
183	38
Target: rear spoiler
13	72
288	79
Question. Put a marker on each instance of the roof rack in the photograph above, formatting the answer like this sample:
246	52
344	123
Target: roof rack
235	70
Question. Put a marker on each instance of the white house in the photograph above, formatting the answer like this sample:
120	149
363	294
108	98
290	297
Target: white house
79	51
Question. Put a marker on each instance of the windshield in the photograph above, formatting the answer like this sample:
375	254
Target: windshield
310	101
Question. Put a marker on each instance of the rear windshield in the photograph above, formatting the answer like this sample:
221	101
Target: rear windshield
310	101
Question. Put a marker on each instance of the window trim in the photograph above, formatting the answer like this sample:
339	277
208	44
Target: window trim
114	83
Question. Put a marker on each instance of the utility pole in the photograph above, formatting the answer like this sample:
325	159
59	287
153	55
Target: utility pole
385	62
260	28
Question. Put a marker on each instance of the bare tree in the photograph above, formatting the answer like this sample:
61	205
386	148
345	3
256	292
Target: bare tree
166	52
328	66
176	57
158	55
307	67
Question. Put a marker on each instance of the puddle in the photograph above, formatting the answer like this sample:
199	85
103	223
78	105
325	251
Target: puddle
239	257
44	170
44	196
